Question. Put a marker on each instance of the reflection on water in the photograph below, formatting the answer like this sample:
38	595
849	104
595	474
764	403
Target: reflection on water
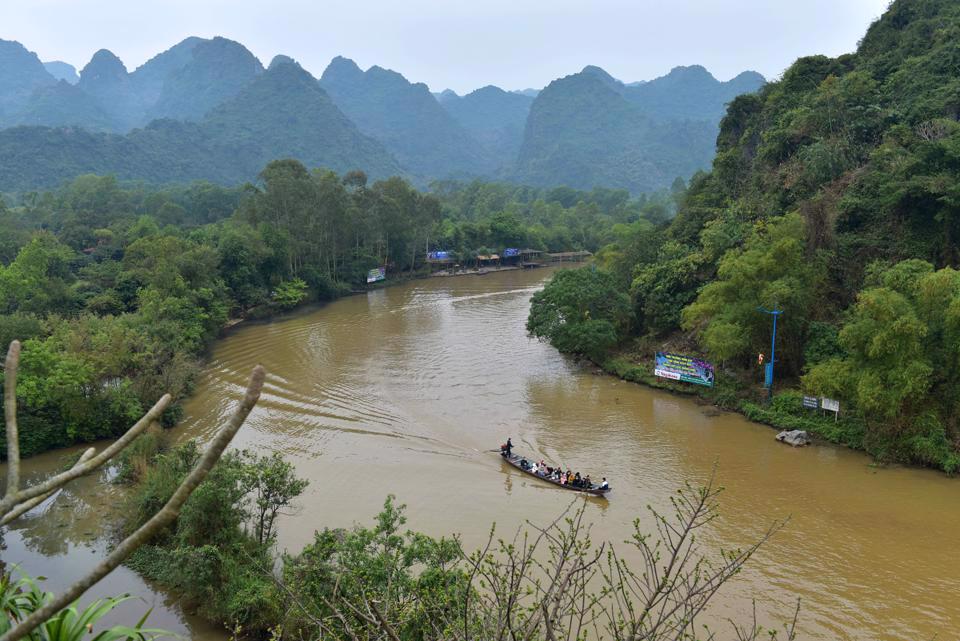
407	390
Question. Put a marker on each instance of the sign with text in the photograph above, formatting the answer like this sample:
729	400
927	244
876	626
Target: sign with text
829	404
439	256
378	274
684	368
510	252
811	402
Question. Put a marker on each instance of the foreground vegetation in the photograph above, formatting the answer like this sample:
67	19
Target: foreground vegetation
116	290
832	198
383	582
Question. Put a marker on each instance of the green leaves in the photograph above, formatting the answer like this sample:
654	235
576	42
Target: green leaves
900	341
290	293
580	311
20	598
772	269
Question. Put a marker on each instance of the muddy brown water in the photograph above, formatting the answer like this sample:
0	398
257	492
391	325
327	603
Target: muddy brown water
406	390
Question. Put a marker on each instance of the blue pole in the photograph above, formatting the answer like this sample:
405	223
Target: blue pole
773	347
773	351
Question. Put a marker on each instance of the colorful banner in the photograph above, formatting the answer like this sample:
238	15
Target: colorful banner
510	252
684	368
378	274
438	255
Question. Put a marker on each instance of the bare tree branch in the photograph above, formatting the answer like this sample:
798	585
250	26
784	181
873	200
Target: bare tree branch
159	521
10	501
10	416
25	507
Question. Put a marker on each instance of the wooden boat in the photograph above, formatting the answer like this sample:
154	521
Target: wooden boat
514	460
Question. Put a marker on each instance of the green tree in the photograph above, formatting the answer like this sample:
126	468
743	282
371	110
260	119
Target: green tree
581	311
773	269
290	293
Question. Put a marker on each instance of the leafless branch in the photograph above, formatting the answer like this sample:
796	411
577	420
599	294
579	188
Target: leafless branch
25	507
10	416
159	521
10	501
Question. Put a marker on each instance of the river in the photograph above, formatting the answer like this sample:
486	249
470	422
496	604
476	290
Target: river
406	390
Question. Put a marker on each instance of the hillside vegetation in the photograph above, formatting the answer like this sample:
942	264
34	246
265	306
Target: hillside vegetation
833	197
590	129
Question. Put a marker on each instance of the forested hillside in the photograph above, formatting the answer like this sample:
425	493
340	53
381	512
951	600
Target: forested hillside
641	137
283	113
833	197
494	117
407	118
590	129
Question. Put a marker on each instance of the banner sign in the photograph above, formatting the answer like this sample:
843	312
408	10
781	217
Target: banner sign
374	275
829	404
510	252
811	402
684	368
438	255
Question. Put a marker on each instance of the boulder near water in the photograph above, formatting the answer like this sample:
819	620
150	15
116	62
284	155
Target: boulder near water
796	438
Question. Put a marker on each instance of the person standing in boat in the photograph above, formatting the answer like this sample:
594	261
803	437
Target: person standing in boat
508	447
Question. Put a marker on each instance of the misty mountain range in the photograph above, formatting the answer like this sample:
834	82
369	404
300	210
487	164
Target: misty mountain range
208	109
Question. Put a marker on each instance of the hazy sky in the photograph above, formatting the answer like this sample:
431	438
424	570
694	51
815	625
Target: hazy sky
455	44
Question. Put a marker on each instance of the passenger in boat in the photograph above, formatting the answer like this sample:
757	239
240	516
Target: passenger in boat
535	469
577	481
524	464
604	485
563	479
586	482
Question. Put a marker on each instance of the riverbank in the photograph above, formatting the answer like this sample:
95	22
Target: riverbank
417	381
785	411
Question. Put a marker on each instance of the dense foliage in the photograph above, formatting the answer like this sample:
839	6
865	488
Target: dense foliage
116	290
580	311
834	197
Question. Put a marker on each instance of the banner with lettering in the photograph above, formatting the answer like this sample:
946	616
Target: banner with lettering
687	369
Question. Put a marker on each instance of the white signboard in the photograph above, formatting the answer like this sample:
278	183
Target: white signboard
675	376
829	404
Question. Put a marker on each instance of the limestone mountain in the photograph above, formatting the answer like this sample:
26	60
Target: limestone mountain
21	72
406	118
106	81
283	113
690	93
494	117
590	129
62	71
64	104
212	72
150	77
286	113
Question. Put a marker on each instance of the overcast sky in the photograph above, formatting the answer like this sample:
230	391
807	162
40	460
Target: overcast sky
458	44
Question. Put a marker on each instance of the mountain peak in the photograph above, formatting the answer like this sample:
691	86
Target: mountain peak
20	69
104	63
281	59
749	77
697	73
447	94
341	69
603	76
